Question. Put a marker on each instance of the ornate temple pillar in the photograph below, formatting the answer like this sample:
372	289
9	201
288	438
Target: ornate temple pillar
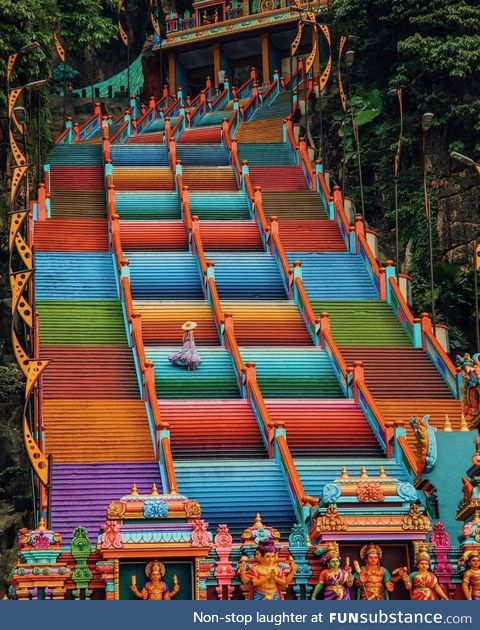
265	56
172	73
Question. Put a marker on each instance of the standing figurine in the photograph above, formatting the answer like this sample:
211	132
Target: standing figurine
265	577
422	583
188	356
373	580
335	580
471	577
155	588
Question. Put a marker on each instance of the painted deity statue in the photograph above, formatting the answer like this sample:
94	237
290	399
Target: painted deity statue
422	583
266	577
333	580
155	588
373	580
471	577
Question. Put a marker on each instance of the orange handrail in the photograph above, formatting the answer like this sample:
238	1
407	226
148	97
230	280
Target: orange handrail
338	204
439	349
291	471
197	241
305	158
253	391
169	467
176	126
290	134
277	244
185	199
323	185
62	135
373	261
308	309
409	455
249	187
217	307
327	336
235	159
360	384
231	343
258	199
401	300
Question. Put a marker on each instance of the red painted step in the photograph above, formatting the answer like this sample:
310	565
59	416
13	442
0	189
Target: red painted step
324	426
212	428
98	372
310	235
230	236
278	178
201	135
399	373
76	178
148	235
209	178
146	138
71	235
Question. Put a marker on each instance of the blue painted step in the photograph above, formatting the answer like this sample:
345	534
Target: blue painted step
335	276
278	108
202	154
72	276
164	276
139	155
138	206
219	206
247	276
214	118
232	492
265	154
159	124
293	372
75	155
316	472
214	377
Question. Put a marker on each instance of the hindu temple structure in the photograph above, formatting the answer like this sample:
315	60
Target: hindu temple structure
321	447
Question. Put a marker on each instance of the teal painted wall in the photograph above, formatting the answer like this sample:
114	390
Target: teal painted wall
455	450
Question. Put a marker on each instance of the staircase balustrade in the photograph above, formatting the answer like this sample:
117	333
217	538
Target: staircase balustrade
302	502
276	249
440	358
410	325
260	218
289	137
303	304
404	454
66	136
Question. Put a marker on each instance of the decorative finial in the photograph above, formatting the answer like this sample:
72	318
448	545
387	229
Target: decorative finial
363	473
258	521
463	423
381	472
134	491
154	491
41	525
344	473
447	425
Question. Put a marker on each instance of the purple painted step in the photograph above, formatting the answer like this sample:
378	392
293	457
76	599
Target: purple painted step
81	493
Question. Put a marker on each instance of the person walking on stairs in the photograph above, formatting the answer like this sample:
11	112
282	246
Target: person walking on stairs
188	356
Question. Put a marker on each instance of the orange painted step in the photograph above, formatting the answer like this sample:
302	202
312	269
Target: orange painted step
159	235
209	178
267	323
306	235
162	321
260	131
396	409
399	373
230	236
71	235
201	135
143	178
212	428
278	178
324	426
98	372
85	430
146	138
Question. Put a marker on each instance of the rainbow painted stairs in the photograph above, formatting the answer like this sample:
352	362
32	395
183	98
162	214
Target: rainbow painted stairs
138	237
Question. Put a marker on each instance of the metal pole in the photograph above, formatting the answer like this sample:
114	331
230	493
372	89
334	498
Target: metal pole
91	74
291	82
430	236
64	92
128	70
397	237
356	137
39	138
475	277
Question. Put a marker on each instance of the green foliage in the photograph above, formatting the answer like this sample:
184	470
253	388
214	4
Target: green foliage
87	23
11	383
64	72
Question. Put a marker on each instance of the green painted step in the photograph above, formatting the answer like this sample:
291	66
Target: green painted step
363	323
293	372
214	378
76	322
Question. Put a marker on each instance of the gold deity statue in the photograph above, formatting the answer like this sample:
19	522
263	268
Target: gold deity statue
422	583
155	588
471	577
266	577
373	581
